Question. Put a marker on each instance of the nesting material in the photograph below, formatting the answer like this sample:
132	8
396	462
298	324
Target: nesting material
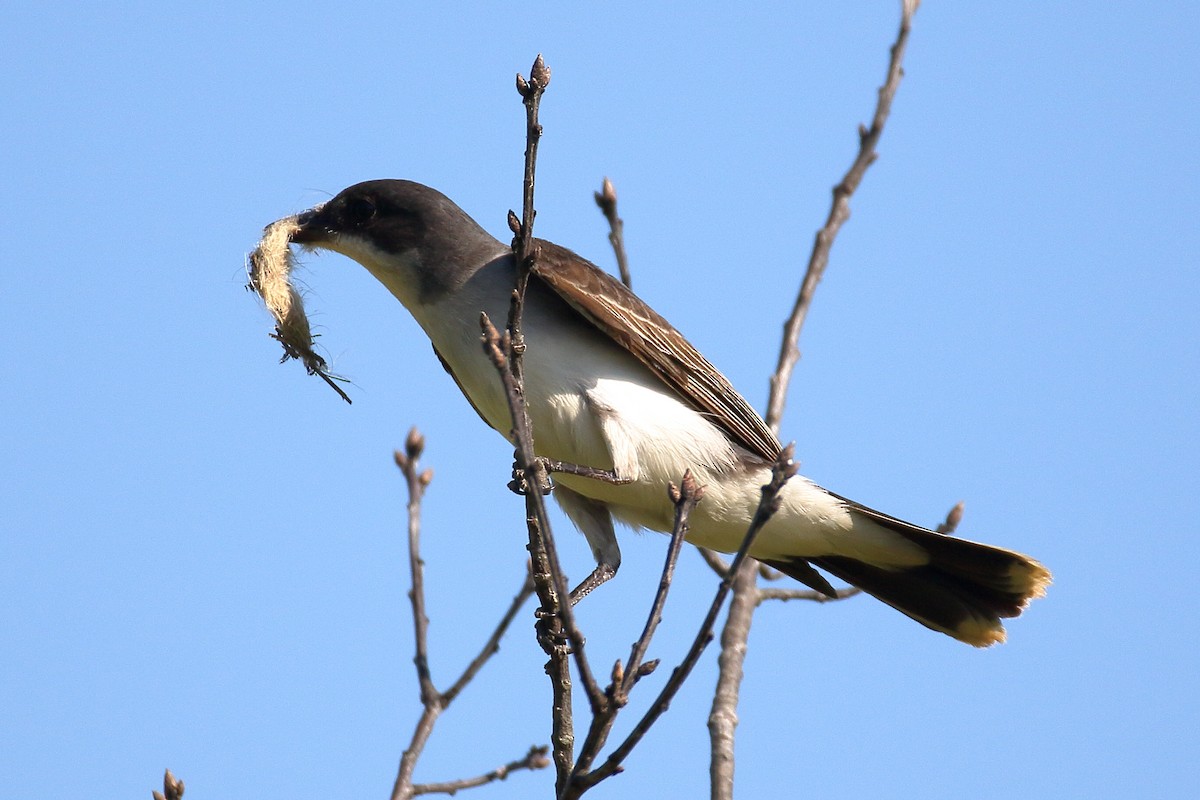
270	270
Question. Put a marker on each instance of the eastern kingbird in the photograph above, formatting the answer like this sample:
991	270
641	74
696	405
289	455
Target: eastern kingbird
612	385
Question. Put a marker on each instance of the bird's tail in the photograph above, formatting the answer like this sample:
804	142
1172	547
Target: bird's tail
964	590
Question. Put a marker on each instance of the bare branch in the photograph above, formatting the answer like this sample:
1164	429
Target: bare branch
606	198
747	595
402	789
534	759
769	573
492	645
557	625
685	497
839	212
506	354
560	605
722	718
805	594
714	560
523	248
433	702
407	462
783	469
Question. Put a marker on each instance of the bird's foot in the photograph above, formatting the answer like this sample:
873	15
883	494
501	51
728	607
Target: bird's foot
601	574
521	478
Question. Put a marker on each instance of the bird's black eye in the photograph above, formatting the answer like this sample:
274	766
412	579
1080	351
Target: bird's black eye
360	210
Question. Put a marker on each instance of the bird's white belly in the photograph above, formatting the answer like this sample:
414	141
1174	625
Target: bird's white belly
593	405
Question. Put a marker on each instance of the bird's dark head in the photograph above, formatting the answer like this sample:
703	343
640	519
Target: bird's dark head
391	215
409	236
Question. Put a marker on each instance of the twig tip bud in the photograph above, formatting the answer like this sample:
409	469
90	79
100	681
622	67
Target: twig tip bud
536	757
953	518
414	445
539	75
609	191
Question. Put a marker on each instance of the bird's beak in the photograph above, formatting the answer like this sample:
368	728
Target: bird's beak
312	229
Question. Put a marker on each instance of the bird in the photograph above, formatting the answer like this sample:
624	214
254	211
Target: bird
611	385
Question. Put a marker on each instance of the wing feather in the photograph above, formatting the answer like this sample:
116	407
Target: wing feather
622	316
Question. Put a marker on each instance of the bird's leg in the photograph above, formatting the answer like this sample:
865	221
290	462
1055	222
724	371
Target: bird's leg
594	520
601	574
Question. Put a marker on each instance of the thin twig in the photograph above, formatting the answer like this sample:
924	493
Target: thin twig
722	716
685	497
414	445
747	595
783	469
557	623
805	594
769	573
606	198
495	344
839	212
506	354
523	248
433	703
714	560
492	645
534	759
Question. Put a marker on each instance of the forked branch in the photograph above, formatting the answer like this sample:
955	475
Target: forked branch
433	702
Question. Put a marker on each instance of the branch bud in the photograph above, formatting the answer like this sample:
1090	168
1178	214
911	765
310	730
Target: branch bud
952	519
687	489
537	757
609	192
414	445
647	668
687	486
172	788
522	86
539	75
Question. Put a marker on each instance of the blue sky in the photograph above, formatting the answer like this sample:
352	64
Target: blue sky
201	553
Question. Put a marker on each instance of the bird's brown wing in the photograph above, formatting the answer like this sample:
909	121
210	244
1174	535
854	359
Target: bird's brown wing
623	317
